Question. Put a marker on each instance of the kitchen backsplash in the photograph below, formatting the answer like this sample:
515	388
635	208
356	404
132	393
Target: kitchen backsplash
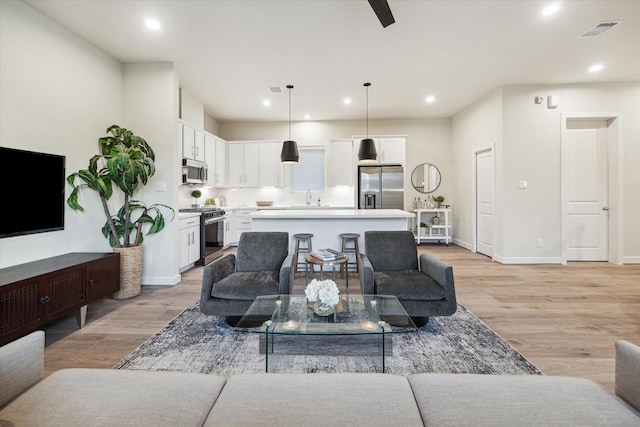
337	196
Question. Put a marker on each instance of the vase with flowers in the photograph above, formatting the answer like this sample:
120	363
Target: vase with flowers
324	294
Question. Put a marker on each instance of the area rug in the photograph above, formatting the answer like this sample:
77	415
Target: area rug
462	343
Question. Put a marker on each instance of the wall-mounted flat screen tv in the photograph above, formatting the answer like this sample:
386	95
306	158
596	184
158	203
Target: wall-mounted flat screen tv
32	192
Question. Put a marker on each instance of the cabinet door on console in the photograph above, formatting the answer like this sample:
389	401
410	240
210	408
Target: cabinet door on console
63	290
20	307
102	277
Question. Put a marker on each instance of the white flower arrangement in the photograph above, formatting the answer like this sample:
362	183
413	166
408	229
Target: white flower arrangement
324	291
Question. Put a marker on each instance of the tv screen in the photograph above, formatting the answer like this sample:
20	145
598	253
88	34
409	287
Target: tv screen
32	192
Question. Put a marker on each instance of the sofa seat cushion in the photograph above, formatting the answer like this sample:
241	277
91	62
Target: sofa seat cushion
408	285
517	400
317	399
247	285
107	397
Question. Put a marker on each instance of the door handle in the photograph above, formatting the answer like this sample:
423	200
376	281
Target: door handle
605	209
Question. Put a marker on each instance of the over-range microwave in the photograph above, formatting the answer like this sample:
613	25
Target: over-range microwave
194	172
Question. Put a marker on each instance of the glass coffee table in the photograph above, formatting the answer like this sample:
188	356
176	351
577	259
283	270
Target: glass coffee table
361	325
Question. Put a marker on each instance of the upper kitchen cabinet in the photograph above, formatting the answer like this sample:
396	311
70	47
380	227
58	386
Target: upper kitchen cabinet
341	164
192	141
216	158
390	149
270	164
244	164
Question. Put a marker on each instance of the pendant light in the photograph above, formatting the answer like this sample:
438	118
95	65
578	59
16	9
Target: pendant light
367	151
289	153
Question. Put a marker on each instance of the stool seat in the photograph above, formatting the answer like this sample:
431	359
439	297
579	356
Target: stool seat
305	248
350	245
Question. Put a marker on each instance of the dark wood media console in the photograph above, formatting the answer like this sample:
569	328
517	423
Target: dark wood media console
38	292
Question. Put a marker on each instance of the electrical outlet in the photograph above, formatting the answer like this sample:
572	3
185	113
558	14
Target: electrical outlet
161	186
148	259
522	185
540	243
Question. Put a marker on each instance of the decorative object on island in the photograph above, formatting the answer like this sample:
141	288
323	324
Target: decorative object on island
324	294
289	153
367	151
127	162
196	194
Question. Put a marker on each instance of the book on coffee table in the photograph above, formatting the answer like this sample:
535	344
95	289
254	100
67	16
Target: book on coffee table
327	254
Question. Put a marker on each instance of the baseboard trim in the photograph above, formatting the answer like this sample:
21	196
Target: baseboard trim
631	260
528	260
161	280
462	244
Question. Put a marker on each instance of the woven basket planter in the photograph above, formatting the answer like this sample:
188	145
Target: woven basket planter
130	272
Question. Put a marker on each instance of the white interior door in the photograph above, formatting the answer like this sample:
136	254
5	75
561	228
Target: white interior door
586	203
484	202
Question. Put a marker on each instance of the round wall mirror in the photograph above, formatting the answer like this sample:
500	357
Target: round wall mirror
425	178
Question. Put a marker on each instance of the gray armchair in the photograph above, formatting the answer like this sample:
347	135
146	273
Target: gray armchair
261	266
390	266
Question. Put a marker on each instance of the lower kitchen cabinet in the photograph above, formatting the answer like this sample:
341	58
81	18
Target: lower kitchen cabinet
38	292
189	241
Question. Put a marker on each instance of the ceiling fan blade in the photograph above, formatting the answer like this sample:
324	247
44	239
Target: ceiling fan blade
383	12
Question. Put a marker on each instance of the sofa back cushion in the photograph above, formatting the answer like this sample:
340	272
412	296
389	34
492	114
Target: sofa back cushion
21	365
628	372
391	250
260	251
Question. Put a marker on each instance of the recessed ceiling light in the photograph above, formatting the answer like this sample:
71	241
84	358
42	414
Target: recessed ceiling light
430	99
266	103
307	116
595	68
552	9
347	101
152	24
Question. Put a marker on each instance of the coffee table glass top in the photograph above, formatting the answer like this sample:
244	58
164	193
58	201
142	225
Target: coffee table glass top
358	314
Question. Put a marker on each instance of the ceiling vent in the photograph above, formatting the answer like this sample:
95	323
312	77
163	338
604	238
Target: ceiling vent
275	89
599	29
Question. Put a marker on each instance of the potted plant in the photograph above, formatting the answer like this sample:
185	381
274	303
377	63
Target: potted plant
126	162
196	195
423	229
438	200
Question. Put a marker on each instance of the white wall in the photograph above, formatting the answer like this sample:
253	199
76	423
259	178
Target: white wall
427	140
151	95
528	147
59	94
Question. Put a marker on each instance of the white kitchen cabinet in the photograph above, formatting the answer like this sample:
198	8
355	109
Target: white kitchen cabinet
270	164
189	241
241	222
341	163
228	231
192	143
216	154
389	149
243	164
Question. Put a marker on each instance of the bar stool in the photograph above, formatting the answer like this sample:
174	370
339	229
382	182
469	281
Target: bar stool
350	245
305	240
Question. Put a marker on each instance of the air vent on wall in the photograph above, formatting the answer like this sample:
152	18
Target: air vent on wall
275	89
599	29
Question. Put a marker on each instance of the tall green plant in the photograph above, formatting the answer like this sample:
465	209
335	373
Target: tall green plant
126	161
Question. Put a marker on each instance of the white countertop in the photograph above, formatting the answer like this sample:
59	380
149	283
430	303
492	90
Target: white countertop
184	215
330	213
286	207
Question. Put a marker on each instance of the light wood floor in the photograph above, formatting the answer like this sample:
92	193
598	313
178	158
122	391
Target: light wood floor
564	319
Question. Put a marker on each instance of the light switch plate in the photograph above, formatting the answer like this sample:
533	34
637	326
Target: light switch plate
553	101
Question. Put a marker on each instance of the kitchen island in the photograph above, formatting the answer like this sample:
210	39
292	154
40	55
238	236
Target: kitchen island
326	225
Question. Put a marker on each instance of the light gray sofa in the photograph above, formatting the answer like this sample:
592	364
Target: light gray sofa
104	397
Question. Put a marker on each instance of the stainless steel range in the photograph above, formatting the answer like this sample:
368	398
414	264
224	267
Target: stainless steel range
211	233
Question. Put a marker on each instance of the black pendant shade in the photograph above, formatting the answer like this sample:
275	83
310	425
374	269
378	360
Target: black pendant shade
289	153
367	151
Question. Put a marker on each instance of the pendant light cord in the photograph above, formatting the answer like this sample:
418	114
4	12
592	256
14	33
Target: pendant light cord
289	87
366	85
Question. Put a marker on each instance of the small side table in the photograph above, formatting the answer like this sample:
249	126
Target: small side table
311	260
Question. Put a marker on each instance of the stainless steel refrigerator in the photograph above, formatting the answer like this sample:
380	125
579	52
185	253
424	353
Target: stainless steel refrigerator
381	187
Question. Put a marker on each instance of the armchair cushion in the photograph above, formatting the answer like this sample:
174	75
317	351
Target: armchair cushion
408	285
235	286
391	250
260	251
